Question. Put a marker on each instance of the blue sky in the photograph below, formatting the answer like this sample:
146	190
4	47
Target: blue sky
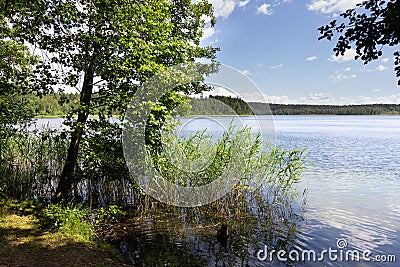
275	43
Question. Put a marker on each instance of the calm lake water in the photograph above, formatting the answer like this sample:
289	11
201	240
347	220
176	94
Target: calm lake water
354	184
353	196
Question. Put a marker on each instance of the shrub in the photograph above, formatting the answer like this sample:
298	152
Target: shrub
67	219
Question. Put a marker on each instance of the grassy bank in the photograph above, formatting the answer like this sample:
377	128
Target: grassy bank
25	241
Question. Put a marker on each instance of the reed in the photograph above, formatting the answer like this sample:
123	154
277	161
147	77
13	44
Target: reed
270	172
31	163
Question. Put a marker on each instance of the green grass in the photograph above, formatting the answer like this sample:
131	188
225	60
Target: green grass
25	241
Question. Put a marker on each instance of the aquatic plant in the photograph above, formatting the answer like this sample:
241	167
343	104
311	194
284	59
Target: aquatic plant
30	162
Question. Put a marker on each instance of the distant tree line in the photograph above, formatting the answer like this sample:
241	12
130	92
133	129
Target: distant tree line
371	109
207	106
53	104
61	104
219	105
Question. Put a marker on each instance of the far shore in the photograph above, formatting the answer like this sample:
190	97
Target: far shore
196	115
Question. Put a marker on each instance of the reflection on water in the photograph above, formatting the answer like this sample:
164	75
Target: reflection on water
353	189
354	183
360	206
179	239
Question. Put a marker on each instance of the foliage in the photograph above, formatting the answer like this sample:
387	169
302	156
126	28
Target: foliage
16	80
53	104
372	25
110	214
207	107
67	219
77	221
21	72
16	65
237	104
267	215
61	104
115	46
299	109
23	242
197	160
31	163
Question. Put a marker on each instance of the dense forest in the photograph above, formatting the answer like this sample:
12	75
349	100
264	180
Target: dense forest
61	104
52	104
219	105
301	109
207	106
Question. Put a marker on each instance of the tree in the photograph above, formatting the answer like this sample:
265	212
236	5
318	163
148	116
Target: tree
16	80
106	49
371	26
21	73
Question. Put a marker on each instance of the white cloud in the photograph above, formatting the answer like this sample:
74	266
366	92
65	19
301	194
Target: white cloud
264	98
243	3
312	58
365	69
364	100
276	66
385	60
313	98
391	99
264	9
223	91
318	98
223	8
207	33
331	6
216	40
348	55
280	2
381	68
217	91
245	72
283	99
339	76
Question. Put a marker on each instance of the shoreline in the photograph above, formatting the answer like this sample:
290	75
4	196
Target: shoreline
273	115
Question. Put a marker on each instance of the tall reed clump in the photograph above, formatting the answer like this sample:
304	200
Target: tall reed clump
30	162
263	208
268	174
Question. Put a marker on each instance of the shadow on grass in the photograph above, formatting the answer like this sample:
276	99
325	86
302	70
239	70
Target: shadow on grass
23	244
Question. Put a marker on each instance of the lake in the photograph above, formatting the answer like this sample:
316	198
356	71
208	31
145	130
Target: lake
354	183
352	203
